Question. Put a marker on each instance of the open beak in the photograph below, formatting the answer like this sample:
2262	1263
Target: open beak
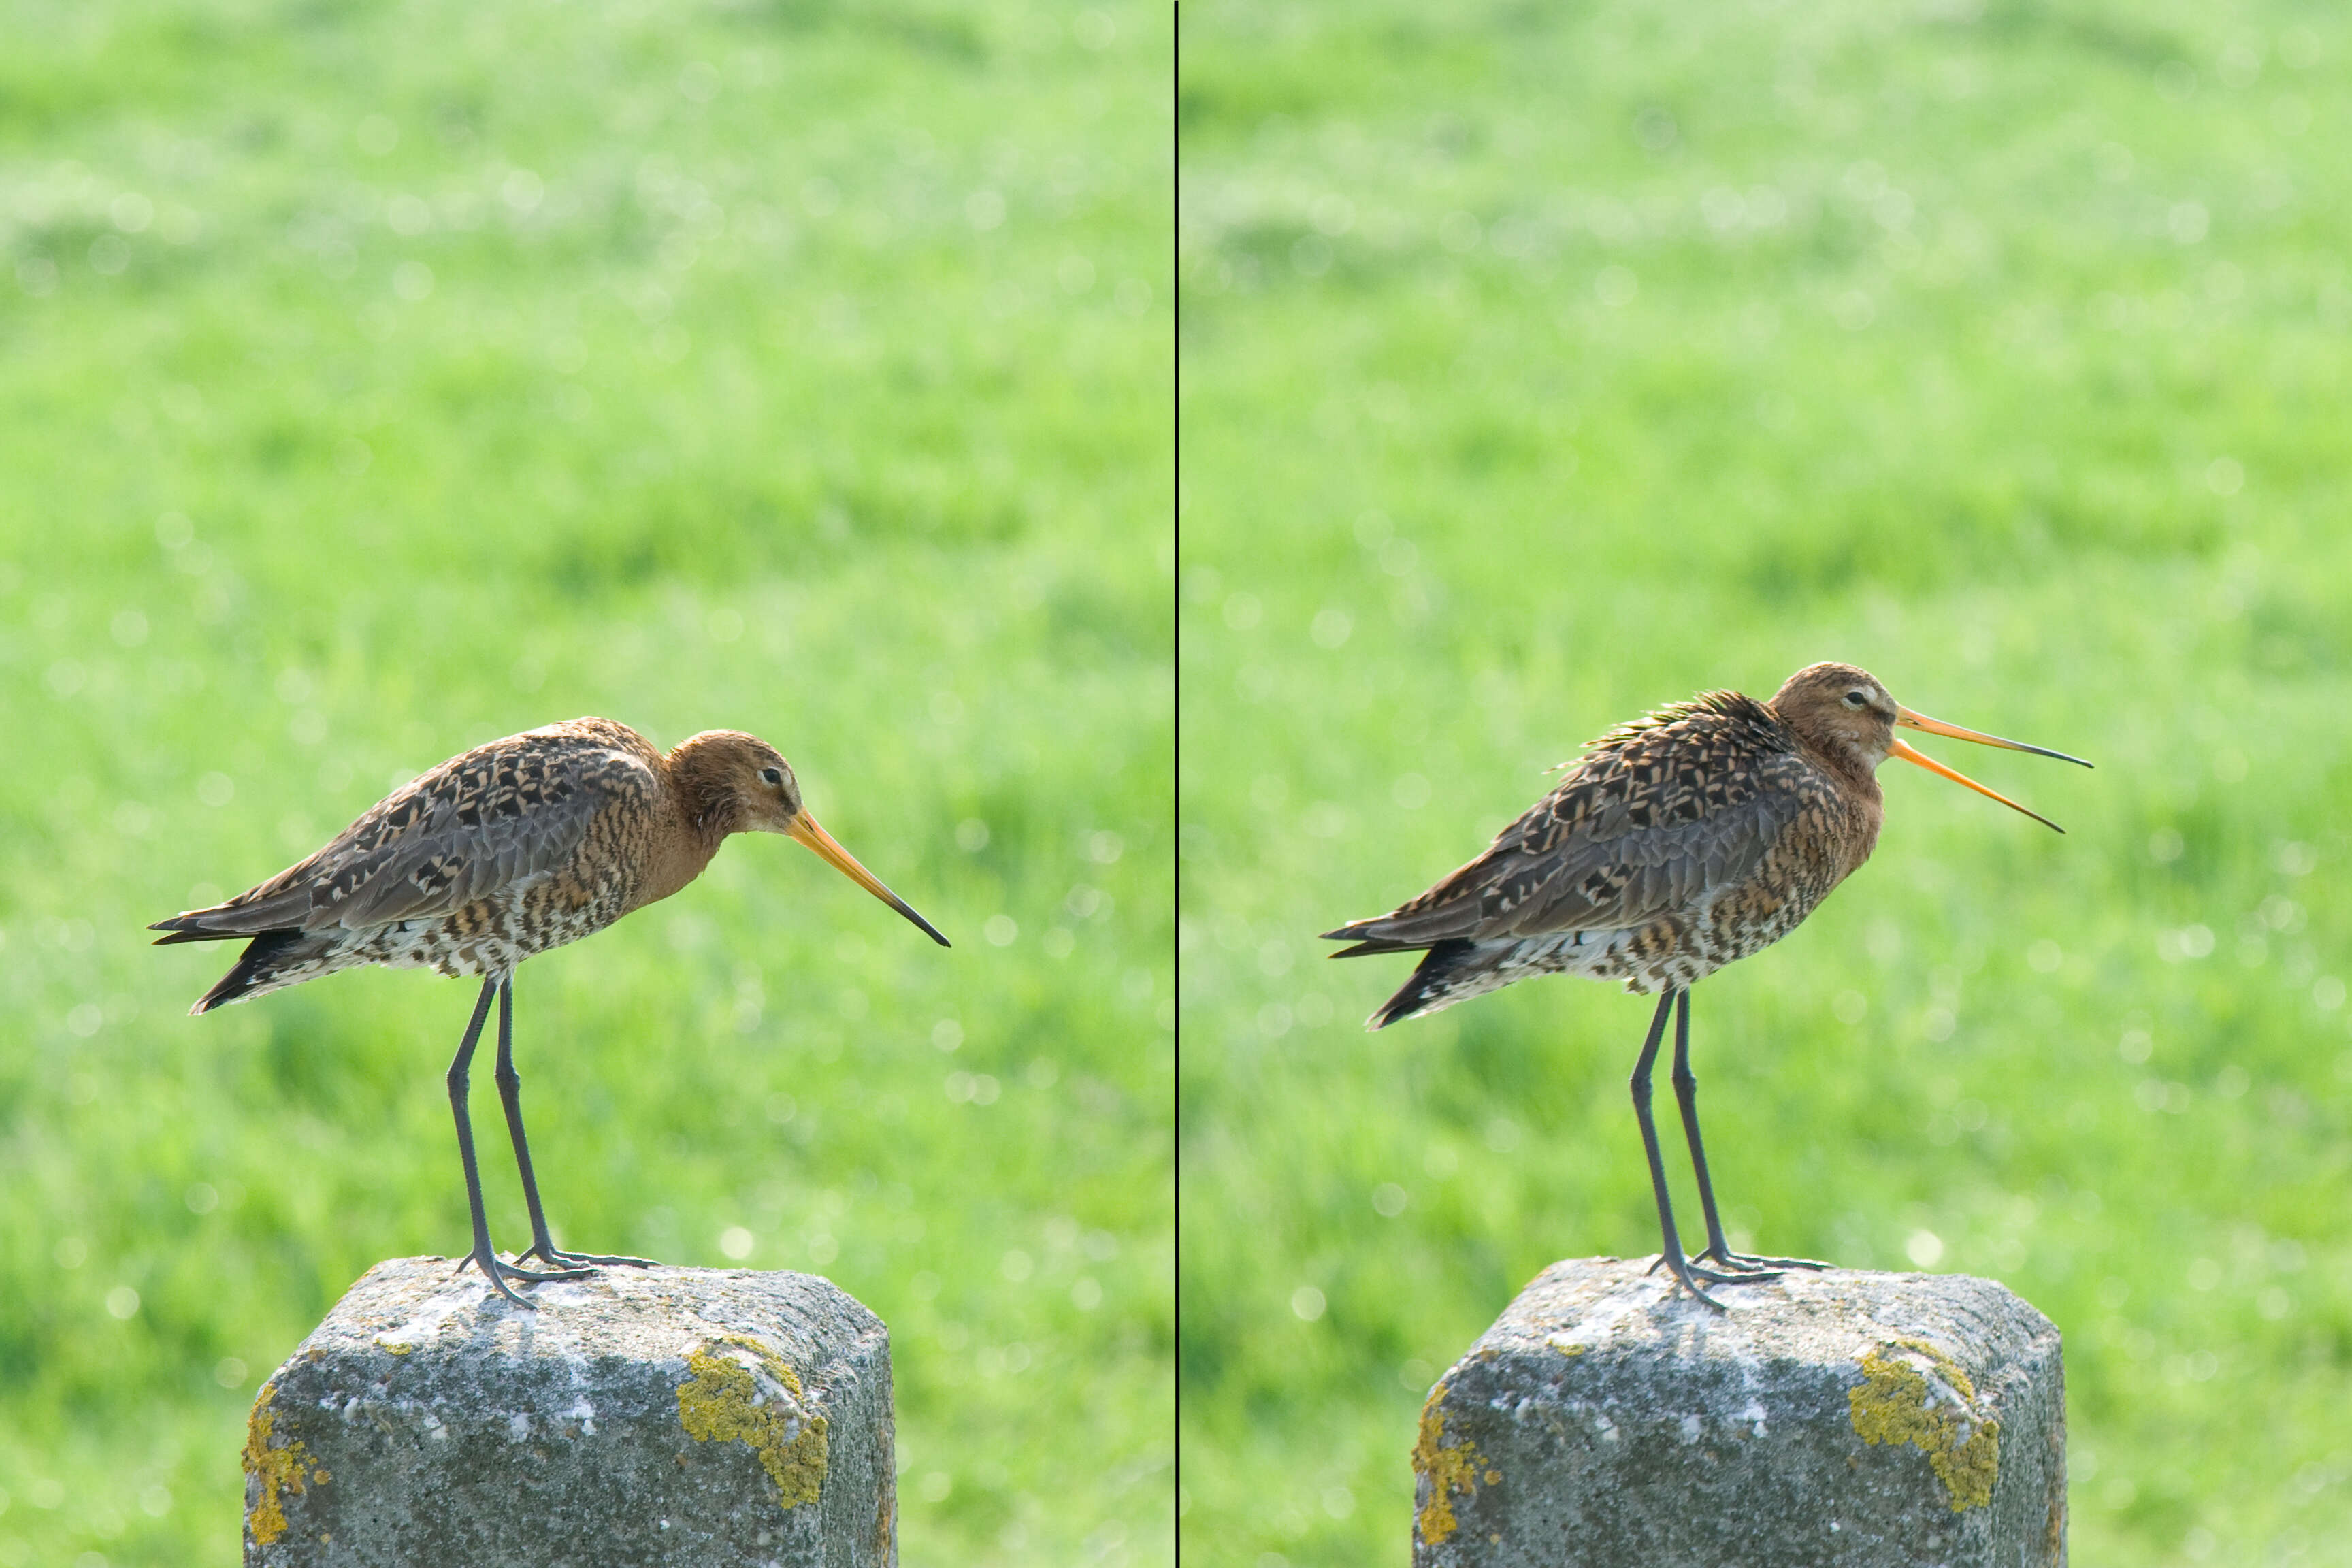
804	828
1910	721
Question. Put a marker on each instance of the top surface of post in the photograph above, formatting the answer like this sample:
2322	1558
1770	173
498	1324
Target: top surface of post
1840	1418
644	1416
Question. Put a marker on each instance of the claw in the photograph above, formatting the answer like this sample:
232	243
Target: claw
1741	1275
1739	1263
556	1258
1688	1279
498	1272
1755	1266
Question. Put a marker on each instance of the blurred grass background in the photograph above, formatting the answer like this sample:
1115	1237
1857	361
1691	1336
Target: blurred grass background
1539	365
378	379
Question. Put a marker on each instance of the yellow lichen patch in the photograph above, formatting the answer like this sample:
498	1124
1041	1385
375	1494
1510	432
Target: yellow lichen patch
1913	1393
276	1469
744	1392
1447	1470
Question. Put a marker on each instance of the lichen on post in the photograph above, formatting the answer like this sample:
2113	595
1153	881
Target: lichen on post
742	1392
1913	1393
1444	1468
273	1468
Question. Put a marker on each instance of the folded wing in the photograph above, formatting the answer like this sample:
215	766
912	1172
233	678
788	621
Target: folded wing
482	824
1655	823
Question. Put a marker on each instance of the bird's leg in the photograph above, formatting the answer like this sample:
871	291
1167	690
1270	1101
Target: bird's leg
496	1270
1671	1252
542	1246
1686	1097
1686	1100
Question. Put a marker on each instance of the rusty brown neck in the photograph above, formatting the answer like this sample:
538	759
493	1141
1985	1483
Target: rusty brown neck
702	782
691	827
1841	758
1853	770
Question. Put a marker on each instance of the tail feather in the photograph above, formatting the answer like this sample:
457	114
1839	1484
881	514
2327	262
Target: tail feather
244	915
1432	985
193	933
1375	944
254	969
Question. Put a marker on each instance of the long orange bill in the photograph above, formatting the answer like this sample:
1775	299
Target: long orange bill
805	830
1908	719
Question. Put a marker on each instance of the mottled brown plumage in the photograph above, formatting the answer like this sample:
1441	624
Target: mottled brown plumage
1675	845
516	846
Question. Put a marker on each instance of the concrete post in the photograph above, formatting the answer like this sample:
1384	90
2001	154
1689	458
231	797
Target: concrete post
653	1416
1842	1417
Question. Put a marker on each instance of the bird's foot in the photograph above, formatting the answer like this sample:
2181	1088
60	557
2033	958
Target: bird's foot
1753	1265
1688	1278
498	1272
555	1256
1744	1270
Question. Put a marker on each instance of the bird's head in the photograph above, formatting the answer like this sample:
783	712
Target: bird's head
1844	713
735	782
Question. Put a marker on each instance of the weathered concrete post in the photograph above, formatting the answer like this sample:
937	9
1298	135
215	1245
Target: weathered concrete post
1841	1417
642	1416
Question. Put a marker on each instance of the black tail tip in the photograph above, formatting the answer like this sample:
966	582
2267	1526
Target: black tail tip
1410	999
232	985
253	967
1427	984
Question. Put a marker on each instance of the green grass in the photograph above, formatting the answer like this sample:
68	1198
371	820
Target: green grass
1539	365
378	379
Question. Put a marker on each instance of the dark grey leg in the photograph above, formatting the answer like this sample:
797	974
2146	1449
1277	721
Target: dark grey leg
496	1270
510	1096
1671	1247
1686	1097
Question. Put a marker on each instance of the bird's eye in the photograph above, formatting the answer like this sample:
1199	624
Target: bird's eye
772	775
1858	698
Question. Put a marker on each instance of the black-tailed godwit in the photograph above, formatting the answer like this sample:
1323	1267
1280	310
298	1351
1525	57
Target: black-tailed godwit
1675	845
517	846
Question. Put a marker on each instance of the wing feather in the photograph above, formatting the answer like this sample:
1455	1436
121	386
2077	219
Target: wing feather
466	846
1655	817
497	818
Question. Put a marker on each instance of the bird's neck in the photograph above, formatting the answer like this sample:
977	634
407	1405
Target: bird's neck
1850	766
704	794
682	853
701	811
1847	762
